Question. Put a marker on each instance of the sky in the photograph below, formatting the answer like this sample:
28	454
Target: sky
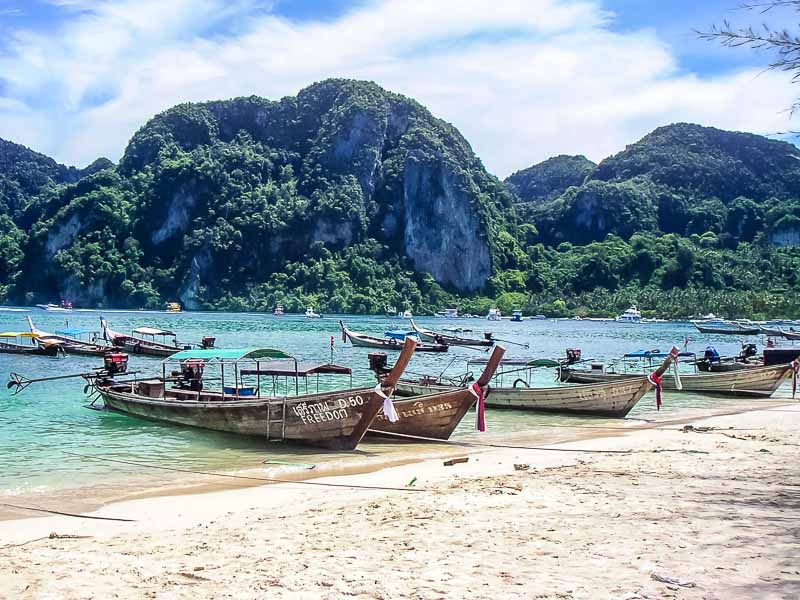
523	80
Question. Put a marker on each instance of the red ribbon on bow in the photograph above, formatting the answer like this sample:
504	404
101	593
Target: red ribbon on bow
656	381
480	409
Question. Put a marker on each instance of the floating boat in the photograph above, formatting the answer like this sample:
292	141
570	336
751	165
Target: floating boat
756	382
173	307
143	341
430	412
310	314
790	334
448	313
426	335
13	342
335	420
631	315
278	312
516	316
494	314
406	314
608	399
64	306
726	328
69	340
368	341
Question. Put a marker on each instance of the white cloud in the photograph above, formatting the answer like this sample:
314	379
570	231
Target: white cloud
521	79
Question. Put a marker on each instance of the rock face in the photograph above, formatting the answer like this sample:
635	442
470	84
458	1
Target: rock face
221	195
549	179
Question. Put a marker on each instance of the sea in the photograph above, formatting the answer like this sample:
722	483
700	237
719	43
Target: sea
57	451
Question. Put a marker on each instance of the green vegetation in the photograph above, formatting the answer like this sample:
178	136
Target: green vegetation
351	199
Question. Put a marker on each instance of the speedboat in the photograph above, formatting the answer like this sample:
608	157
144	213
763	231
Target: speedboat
516	315
64	306
278	312
494	314
310	314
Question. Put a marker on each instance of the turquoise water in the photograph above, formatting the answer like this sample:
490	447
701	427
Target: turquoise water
42	423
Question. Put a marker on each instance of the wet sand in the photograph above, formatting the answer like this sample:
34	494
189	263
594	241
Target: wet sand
665	514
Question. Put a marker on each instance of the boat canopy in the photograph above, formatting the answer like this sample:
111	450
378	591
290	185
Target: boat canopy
288	368
231	354
152	331
13	334
70	331
399	334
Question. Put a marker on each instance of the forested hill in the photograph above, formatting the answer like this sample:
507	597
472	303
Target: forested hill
350	198
346	196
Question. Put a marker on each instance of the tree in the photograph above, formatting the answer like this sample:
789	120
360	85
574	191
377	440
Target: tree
782	42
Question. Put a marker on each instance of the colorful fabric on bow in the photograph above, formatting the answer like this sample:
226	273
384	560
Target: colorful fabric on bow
480	409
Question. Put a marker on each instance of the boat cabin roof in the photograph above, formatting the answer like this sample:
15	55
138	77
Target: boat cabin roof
13	334
231	354
288	368
73	331
153	331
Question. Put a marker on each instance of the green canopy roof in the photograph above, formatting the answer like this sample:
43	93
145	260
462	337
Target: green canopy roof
229	354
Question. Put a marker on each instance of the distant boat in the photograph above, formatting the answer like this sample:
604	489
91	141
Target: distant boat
426	335
448	313
726	327
64	306
631	315
406	314
278	312
387	343
391	311
517	316
494	314
538	318
173	307
310	314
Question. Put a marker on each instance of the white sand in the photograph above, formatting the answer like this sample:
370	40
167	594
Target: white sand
713	511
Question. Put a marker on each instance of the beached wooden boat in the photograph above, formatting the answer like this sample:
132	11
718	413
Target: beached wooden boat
429	412
143	341
334	419
757	382
368	341
615	399
426	335
69	342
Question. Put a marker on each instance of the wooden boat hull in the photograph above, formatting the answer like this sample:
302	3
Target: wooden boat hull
727	330
425	412
757	382
145	348
85	349
42	350
615	399
365	341
448	339
333	420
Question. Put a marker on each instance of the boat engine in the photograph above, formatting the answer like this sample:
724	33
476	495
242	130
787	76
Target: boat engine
573	355
748	350
711	355
378	363
208	342
192	374
115	363
487	335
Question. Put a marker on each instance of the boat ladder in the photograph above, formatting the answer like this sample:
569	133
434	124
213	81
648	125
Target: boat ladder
276	427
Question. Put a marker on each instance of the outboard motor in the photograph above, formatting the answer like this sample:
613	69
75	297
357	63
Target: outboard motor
115	363
711	355
192	374
487	335
573	355
378	363
748	350
208	342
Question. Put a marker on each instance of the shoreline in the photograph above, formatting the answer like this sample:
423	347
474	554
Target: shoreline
650	512
188	482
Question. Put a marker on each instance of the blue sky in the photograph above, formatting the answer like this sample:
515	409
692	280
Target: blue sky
522	79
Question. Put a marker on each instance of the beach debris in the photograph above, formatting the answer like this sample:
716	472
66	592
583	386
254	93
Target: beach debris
455	461
681	450
672	580
522	467
288	463
412	482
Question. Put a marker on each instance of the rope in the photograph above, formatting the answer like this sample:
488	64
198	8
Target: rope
66	514
246	477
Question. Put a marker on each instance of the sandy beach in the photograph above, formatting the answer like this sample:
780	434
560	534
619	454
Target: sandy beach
705	512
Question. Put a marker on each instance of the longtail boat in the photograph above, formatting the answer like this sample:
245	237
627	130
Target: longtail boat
430	412
11	342
368	341
755	382
726	328
612	399
68	340
335	420
791	334
143	341
426	335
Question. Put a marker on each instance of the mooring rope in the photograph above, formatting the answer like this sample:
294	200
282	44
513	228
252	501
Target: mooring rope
246	477
65	514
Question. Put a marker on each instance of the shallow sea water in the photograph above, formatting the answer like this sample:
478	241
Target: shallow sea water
41	425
